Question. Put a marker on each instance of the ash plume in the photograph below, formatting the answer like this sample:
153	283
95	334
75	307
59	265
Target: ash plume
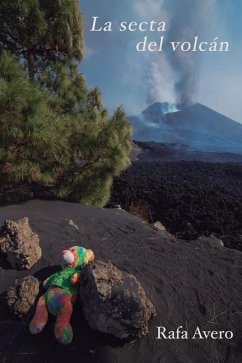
186	20
157	70
159	76
173	76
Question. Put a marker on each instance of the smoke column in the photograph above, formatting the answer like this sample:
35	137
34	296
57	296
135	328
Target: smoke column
157	71
159	85
186	20
167	76
172	76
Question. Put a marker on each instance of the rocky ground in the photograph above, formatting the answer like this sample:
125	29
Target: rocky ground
190	285
190	198
154	151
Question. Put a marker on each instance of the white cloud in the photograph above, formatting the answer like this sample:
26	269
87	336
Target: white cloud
148	8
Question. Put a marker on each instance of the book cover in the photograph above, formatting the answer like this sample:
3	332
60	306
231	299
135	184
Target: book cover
121	141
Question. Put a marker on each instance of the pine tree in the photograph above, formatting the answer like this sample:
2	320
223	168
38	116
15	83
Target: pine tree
40	31
33	146
55	132
100	151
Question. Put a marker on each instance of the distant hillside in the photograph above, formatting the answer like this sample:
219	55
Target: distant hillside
198	127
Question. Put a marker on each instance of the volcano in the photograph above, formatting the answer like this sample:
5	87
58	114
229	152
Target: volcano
196	127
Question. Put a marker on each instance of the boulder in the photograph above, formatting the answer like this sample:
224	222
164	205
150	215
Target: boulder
22	296
162	229
212	240
159	226
114	302
20	244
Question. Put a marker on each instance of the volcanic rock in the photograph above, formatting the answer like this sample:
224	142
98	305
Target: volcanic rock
22	296
72	223
159	227
210	240
114	302
190	199
20	244
190	285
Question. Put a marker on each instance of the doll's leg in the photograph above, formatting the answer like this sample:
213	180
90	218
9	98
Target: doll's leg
63	329
41	316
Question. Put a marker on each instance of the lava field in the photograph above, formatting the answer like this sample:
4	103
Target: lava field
189	198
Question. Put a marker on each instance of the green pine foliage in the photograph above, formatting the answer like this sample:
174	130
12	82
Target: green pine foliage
100	150
56	135
30	132
39	31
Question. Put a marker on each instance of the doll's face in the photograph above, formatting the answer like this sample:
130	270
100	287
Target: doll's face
77	256
67	257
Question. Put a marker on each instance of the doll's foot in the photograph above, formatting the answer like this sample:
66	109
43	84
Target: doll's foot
63	329
63	333
40	319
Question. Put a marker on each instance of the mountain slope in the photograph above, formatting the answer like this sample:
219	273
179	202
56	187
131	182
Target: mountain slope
198	127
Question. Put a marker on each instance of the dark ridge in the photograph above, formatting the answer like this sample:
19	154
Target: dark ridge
196	126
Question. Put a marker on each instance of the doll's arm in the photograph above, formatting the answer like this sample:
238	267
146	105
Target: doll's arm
47	282
75	278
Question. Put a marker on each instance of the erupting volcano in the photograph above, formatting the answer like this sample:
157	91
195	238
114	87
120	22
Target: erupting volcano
196	127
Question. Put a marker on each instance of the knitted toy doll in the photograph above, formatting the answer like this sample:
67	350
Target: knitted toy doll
61	294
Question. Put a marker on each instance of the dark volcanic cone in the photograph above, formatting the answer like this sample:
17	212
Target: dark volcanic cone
198	127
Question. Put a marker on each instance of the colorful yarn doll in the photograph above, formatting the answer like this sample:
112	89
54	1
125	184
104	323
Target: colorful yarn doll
61	294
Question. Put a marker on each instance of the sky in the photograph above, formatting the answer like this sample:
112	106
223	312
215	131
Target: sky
136	79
